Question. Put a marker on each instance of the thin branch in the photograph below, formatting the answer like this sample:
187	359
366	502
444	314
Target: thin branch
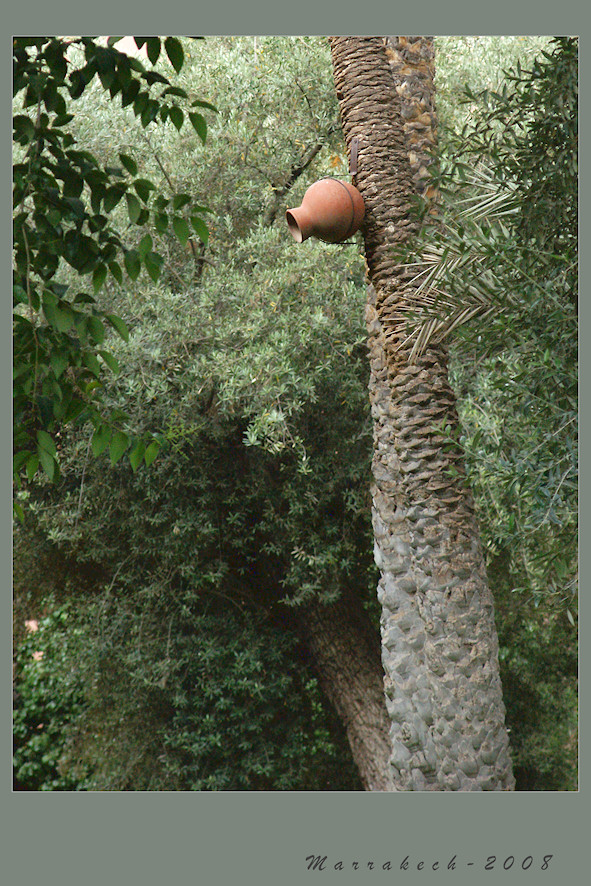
295	173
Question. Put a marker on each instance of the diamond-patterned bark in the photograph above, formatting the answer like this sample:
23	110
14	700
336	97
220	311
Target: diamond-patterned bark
439	644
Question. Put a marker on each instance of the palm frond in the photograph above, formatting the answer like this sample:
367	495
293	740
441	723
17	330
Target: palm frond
456	277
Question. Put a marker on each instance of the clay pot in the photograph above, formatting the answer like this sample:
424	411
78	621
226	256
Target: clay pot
332	210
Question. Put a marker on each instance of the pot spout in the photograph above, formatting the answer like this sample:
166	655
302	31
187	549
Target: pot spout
331	210
296	223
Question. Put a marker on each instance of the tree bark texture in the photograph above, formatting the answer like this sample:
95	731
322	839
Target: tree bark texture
346	655
439	643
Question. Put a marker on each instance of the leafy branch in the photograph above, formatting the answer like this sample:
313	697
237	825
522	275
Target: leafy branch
63	203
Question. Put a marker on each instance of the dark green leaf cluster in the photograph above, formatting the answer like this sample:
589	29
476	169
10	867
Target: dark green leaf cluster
105	705
50	698
63	201
539	667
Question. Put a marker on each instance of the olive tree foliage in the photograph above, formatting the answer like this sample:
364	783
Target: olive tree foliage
479	63
64	198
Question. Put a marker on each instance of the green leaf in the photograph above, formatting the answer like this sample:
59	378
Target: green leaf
115	269
58	361
175	90
20	458
73	183
112	197
24	129
153	47
129	163
199	125
99	275
199	103
48	463
90	361
161	222
46	443
19	511
100	439
181	229
132	263
177	117
150	112
119	325
129	94
174	51
32	466
151	452
111	362
118	445
133	207
136	455
60	317
200	228
143	187
152	77
153	263
96	330
180	200
145	246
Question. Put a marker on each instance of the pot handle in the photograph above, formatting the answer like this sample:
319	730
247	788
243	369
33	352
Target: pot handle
353	158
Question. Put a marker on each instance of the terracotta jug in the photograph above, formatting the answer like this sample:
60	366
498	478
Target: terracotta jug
332	210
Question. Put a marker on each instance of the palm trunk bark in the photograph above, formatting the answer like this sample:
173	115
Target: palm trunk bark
346	655
439	643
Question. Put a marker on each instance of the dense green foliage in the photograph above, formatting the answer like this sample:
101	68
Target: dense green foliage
50	698
63	203
103	706
181	666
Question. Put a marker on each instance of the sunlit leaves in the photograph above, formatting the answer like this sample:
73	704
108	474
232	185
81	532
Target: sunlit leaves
507	239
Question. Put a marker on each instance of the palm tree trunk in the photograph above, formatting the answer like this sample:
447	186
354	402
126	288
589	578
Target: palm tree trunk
346	656
439	643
